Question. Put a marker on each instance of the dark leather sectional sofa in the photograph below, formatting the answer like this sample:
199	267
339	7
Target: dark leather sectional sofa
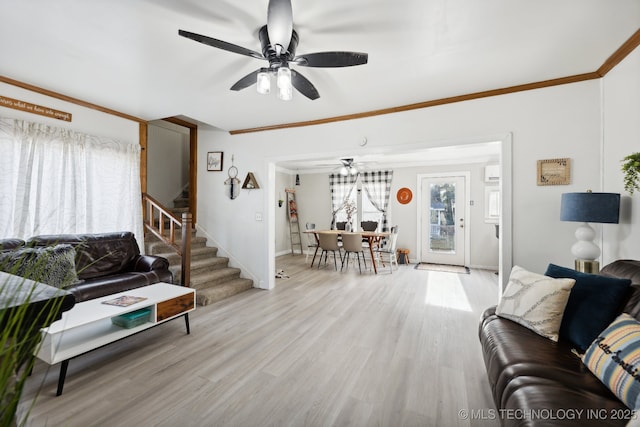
536	381
105	263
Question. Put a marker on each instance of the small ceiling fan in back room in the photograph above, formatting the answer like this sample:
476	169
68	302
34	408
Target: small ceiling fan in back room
279	42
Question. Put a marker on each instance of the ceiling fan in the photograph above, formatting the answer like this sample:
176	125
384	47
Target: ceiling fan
350	167
279	41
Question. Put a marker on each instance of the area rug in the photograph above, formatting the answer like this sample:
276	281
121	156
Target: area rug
443	268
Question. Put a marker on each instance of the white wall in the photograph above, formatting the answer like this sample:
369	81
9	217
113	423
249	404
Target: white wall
484	245
84	119
621	117
167	161
561	121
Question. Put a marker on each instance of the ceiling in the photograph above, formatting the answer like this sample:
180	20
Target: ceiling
127	56
486	152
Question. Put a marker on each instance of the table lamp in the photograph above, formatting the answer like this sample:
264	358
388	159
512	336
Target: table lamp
588	207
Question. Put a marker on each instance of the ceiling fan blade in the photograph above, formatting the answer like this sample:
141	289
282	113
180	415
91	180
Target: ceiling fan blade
246	81
209	41
280	23
332	59
304	86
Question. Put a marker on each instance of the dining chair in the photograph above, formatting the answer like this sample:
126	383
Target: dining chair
389	248
312	242
352	243
369	225
329	243
342	225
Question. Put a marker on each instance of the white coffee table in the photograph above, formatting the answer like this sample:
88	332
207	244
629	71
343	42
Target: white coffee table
87	326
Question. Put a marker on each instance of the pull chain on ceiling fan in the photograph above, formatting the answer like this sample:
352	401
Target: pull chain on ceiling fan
279	42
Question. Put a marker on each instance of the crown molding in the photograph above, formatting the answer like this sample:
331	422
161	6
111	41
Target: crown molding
622	52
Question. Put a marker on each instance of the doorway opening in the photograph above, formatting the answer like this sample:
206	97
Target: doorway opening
293	163
170	170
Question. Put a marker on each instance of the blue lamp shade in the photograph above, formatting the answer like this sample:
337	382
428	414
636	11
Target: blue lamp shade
590	207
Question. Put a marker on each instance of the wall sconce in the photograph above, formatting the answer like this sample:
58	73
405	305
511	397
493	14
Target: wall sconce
588	207
297	179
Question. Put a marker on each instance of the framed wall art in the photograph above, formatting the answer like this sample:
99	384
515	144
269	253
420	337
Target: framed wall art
554	172
214	161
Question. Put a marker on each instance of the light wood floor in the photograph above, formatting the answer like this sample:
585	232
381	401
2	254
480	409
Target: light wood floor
324	348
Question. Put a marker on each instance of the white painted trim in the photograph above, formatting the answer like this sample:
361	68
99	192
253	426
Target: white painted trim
467	209
270	212
505	242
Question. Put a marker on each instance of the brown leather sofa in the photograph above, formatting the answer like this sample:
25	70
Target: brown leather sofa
105	263
536	381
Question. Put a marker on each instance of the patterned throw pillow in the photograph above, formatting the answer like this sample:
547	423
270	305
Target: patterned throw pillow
535	301
614	357
51	265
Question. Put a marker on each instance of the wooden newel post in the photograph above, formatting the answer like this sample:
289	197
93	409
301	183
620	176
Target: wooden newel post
186	249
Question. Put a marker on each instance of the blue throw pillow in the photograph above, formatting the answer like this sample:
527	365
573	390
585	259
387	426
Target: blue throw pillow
593	304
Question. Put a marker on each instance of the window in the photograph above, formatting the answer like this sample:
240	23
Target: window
371	197
59	181
365	209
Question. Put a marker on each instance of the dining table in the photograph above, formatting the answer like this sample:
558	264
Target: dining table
373	237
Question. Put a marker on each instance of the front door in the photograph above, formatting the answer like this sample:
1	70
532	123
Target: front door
442	239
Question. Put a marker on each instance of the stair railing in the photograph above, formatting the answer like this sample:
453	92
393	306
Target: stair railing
153	212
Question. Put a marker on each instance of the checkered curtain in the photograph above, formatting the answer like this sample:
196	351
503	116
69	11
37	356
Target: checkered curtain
341	188
377	186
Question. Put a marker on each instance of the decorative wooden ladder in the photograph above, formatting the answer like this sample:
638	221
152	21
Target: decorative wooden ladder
294	224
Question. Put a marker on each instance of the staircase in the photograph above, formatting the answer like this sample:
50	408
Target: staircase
211	276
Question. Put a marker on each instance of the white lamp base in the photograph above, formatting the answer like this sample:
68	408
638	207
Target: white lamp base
584	248
585	251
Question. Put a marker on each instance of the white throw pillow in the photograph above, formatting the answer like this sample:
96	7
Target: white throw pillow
535	301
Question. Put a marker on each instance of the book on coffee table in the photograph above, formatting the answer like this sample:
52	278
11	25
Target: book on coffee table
124	301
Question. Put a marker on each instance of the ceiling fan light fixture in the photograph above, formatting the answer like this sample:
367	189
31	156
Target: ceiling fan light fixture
263	82
353	170
285	93
285	88
284	77
344	171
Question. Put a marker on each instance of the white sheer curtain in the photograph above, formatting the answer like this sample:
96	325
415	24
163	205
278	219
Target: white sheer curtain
55	181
